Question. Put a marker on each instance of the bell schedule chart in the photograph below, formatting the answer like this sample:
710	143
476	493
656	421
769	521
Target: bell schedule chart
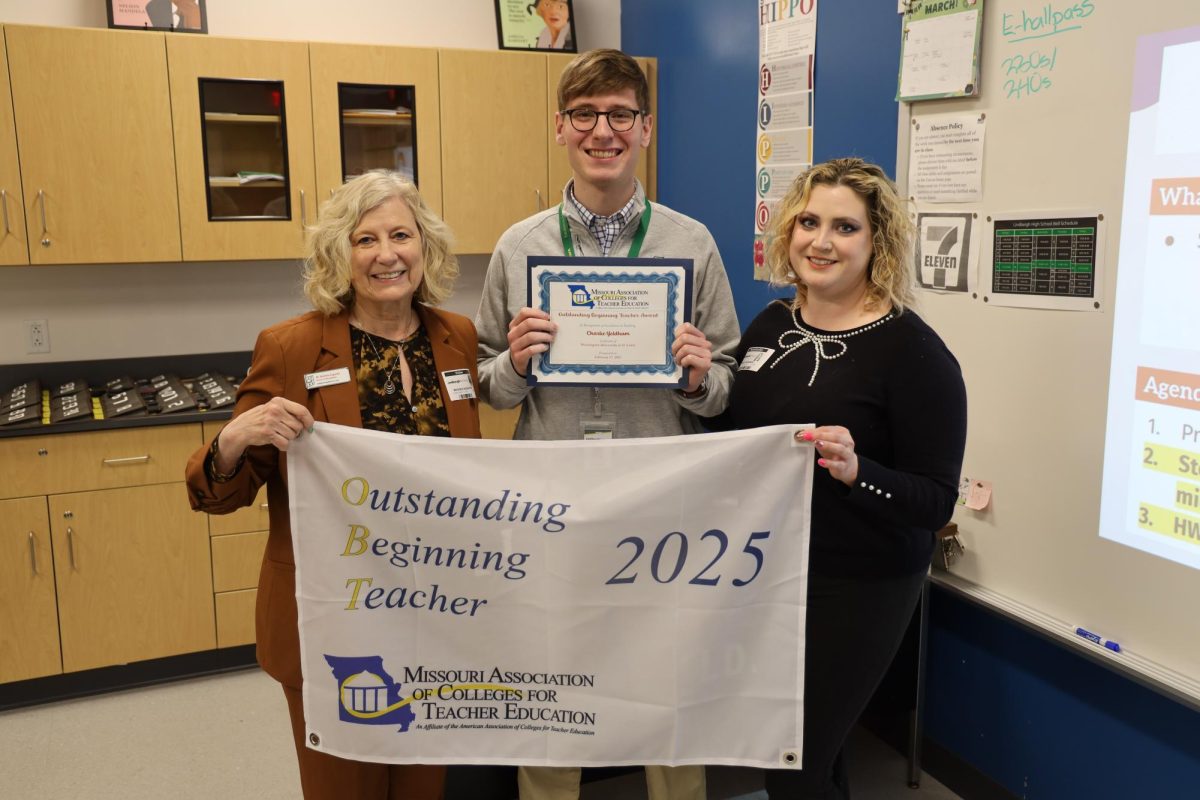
1046	257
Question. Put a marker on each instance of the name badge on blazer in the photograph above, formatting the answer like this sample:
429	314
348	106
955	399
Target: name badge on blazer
458	384
329	377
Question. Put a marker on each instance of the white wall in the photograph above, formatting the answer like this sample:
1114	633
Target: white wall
132	310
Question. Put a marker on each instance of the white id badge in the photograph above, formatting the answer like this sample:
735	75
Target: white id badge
458	384
330	377
602	426
755	358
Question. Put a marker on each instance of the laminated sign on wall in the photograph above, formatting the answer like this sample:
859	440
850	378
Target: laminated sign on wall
632	601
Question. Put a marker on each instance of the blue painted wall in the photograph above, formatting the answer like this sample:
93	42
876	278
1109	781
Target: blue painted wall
1035	718
707	54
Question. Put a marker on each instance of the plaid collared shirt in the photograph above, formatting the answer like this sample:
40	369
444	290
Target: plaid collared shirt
605	229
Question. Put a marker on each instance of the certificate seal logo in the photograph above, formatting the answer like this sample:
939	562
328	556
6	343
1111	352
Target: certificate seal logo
580	296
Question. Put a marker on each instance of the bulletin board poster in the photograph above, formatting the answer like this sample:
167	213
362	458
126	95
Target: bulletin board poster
787	36
939	54
1151	495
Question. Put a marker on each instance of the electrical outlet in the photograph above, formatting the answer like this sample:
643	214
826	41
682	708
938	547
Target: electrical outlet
37	336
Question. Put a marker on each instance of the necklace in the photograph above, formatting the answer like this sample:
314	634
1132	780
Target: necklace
389	386
788	341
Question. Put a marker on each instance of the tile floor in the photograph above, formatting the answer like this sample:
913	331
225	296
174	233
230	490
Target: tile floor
226	737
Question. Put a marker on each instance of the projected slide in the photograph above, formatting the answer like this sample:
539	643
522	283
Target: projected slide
1151	497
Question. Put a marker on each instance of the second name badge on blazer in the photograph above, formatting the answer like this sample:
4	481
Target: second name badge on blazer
458	384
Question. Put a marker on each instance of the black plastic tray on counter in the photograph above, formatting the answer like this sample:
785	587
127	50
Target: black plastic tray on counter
69	396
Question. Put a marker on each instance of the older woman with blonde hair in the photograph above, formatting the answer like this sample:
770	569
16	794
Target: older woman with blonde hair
373	354
848	354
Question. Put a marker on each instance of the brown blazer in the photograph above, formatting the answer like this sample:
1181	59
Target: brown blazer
283	355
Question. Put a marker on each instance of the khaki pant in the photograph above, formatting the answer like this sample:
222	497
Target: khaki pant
562	783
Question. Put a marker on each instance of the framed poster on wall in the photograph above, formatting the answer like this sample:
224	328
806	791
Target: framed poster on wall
183	16
536	25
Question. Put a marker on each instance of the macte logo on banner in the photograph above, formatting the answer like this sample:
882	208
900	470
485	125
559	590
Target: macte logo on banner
369	695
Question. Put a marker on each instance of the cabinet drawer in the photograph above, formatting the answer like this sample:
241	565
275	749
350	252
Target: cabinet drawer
235	617
79	462
237	560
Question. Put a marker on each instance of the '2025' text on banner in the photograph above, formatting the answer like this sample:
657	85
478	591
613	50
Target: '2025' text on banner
634	601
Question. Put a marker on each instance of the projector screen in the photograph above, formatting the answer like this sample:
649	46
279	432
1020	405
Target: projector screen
1151	496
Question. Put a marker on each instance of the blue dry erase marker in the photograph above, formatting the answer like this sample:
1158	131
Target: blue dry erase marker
1100	640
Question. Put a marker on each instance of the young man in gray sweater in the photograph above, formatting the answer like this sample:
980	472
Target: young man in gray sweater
604	122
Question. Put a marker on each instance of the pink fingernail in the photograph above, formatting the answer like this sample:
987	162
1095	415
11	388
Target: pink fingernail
820	444
807	436
821	462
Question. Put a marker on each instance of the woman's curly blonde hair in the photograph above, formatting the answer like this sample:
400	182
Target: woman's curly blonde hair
890	276
327	261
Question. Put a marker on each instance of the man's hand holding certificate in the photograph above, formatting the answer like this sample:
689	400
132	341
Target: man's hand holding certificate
609	321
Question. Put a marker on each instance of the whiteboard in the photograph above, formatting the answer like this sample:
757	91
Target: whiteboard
1038	378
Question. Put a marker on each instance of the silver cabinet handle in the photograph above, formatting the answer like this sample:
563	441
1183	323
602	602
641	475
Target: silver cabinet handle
538	194
43	451
303	212
71	546
33	553
41	196
116	462
4	202
263	506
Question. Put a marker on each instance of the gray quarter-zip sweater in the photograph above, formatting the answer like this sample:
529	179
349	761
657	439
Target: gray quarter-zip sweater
557	412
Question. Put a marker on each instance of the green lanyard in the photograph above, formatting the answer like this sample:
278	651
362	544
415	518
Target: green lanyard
639	235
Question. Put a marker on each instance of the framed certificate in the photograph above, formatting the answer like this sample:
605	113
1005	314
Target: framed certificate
616	320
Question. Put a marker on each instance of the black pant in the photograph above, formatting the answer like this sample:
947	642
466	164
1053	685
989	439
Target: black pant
853	628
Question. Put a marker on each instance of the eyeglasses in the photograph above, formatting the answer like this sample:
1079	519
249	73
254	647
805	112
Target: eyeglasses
585	119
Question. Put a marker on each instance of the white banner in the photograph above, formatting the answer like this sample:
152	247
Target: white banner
633	601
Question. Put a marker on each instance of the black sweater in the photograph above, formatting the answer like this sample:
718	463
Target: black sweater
900	393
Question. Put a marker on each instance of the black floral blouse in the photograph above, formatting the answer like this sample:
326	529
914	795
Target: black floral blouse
376	363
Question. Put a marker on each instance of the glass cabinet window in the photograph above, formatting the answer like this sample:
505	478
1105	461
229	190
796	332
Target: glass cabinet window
245	149
378	129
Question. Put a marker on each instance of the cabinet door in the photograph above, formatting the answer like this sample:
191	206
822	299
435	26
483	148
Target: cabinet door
13	249
246	175
134	575
560	169
93	119
28	612
493	143
376	107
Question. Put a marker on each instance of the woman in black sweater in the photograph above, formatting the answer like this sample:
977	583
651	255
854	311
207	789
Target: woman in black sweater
887	396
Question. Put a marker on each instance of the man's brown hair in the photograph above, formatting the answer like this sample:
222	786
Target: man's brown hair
602	71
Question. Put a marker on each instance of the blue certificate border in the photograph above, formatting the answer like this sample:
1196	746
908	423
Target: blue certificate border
597	270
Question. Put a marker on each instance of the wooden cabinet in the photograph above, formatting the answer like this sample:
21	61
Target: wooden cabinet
344	127
128	146
130	577
93	122
227	147
28	608
13	247
494	140
133	575
76	462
